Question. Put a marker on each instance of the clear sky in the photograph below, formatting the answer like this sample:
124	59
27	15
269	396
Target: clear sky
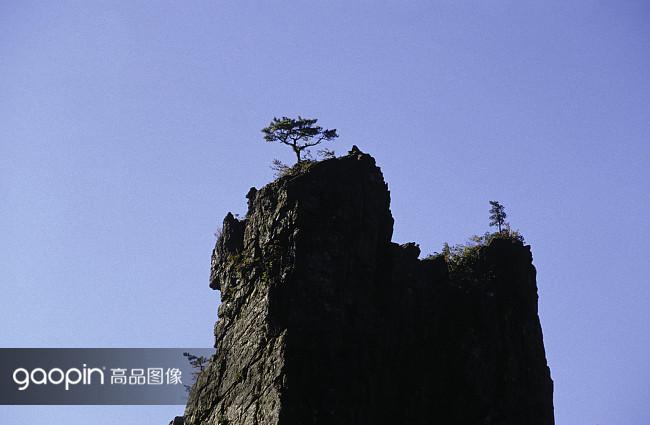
129	129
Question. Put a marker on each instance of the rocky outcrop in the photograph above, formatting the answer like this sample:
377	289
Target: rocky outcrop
323	320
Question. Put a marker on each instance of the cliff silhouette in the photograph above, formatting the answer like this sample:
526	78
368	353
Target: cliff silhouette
324	320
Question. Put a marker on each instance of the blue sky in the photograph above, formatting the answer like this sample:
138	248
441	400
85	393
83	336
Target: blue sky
129	129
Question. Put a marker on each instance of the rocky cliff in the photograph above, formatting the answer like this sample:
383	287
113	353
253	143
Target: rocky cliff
324	320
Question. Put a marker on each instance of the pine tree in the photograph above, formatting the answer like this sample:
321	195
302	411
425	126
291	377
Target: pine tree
497	215
299	134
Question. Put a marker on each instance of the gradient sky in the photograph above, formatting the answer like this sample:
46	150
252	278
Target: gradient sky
129	129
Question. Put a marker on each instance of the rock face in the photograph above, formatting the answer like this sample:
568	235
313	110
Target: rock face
324	320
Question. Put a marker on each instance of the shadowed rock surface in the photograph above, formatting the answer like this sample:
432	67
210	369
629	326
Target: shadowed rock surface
324	320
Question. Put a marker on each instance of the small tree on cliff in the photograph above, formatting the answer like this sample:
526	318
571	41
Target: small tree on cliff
198	363
299	134
497	215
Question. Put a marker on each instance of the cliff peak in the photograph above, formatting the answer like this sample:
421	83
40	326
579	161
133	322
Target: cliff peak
324	320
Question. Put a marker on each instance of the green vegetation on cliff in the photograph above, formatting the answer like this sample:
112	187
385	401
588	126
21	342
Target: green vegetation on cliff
461	258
